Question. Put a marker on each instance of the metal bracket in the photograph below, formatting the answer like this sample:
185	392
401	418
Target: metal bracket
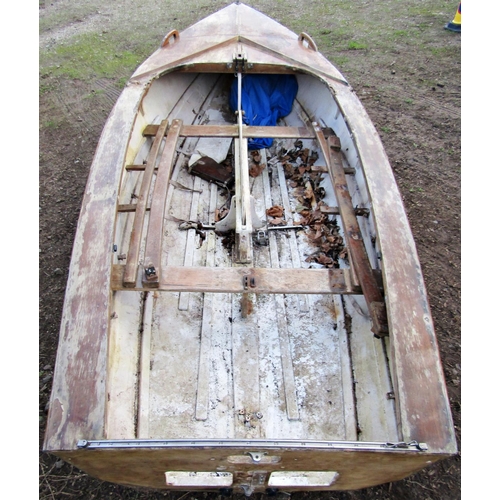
257	455
256	479
261	238
411	444
150	272
249	282
240	61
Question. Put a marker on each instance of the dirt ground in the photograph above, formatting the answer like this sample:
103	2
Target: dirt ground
402	63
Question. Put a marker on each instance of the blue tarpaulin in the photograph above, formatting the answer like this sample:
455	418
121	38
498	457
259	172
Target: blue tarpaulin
264	99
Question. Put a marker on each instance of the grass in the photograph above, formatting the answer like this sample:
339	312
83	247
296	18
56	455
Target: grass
62	17
354	45
52	124
343	28
94	93
91	55
44	88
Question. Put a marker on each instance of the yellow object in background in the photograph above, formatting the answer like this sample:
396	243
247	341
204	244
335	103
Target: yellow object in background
456	24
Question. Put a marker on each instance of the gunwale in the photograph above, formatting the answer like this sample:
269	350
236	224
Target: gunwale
423	409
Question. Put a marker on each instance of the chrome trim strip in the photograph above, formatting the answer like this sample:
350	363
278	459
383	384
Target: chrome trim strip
254	444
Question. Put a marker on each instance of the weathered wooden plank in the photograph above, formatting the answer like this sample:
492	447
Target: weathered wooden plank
130	276
83	341
152	254
358	255
122	373
251	280
249	131
145	370
285	350
376	417
294	250
203	383
246	386
190	243
349	402
357	251
207	324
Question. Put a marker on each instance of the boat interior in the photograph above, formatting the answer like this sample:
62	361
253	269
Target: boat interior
237	311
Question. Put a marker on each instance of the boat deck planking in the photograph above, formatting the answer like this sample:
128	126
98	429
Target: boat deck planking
240	365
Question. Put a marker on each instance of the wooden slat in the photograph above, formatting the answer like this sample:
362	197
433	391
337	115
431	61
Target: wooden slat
152	255
358	256
130	276
145	370
294	249
292	408
207	325
230	280
190	240
246	386
121	372
253	132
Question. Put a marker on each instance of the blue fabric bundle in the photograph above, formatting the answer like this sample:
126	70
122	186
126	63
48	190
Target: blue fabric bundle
264	99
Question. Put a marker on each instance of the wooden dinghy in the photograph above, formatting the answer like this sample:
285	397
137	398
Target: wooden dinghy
245	319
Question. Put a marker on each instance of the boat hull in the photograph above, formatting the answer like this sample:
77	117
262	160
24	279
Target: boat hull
188	360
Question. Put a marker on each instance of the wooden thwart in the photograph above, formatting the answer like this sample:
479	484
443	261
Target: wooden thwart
249	131
247	280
